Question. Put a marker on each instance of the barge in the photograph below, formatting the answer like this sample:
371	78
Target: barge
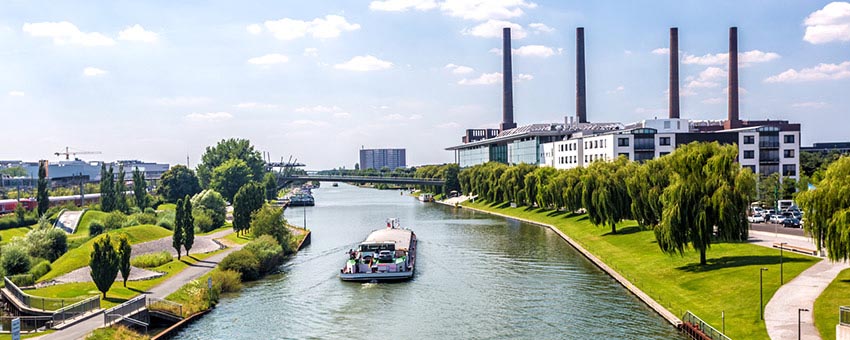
387	254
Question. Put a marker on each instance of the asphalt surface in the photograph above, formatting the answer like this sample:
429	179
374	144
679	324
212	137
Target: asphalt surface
777	228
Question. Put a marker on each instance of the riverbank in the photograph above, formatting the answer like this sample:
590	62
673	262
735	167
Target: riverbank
676	284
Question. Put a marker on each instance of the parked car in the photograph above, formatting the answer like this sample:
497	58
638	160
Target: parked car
791	223
756	218
777	219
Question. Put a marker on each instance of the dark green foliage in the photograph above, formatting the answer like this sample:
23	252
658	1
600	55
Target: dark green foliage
20	213
177	237
228	177
47	242
827	210
188	225
23	280
270	183
139	219
203	221
40	269
268	251
244	262
125	251
769	190
107	189
269	221
151	260
120	192
178	182
788	188
210	202
9	222
248	199
15	260
230	281
114	220
645	187
43	197
96	228
226	150
140	192
104	264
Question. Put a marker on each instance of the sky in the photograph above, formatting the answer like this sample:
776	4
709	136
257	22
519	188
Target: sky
318	80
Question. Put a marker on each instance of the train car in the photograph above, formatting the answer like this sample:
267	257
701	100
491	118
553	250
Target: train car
8	206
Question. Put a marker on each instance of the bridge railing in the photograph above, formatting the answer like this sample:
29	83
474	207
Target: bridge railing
37	302
704	327
124	310
165	306
28	323
844	315
62	315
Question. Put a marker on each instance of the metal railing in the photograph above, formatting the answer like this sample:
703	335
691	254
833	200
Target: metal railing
62	315
844	315
37	302
703	327
165	306
28	323
124	310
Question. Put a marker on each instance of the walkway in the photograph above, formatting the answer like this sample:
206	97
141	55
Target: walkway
780	314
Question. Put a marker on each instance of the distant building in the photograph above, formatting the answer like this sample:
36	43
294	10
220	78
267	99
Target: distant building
379	158
840	147
71	172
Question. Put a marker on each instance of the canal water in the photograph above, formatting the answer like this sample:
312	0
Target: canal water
477	277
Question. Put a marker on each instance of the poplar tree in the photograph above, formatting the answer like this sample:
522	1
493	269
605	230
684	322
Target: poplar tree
188	225
107	188
120	191
248	199
140	189
179	220
125	251
42	197
104	264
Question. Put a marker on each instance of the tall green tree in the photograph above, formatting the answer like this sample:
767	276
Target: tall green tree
769	190
248	199
125	251
270	184
707	199
827	210
121	191
140	186
43	197
104	264
188	225
645	186
178	182
228	177
179	220
213	204
107	188
269	220
228	149
788	188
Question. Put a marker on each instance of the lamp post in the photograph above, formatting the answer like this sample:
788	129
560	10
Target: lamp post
761	292
799	322
781	277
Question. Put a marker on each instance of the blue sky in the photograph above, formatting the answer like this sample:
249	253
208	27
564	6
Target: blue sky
160	80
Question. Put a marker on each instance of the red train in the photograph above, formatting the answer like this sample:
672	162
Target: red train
8	206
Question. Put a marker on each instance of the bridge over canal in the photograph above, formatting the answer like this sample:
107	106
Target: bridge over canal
284	179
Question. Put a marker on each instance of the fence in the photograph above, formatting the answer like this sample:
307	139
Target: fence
37	302
28	323
70	312
125	310
165	306
844	315
706	329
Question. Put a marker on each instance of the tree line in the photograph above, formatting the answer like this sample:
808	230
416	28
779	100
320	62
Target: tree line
693	197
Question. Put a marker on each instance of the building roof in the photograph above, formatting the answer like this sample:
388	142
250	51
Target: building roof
401	237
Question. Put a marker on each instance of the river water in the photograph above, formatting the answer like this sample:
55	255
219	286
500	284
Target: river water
477	277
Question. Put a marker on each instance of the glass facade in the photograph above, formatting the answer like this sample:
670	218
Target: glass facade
524	151
379	158
474	156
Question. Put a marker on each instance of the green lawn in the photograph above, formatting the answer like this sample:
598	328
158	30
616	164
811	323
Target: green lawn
239	239
79	257
226	226
118	293
7	234
167	207
826	306
85	221
728	283
5	336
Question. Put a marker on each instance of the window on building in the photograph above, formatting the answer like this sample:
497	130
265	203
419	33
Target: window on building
624	154
665	141
789	153
666	124
749	154
789	138
622	142
662	154
751	167
749	139
789	170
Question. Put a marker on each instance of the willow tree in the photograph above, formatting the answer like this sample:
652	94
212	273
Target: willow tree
645	185
827	210
706	200
604	192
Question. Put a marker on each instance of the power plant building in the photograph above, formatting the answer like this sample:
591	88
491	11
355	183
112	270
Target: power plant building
379	158
764	146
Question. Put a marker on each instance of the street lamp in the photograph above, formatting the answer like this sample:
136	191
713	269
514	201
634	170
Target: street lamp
761	292
781	277
799	331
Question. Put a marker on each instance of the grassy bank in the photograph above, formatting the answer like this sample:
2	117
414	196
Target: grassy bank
826	306
728	283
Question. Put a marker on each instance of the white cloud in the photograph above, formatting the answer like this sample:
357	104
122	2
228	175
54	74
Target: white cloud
661	51
254	105
311	52
483	79
831	23
17	93
415	117
741	90
459	69
626	52
715	100
183	101
269	59
394	116
701	84
341	115
485	9
619	89
364	63
402	5
209	117
318	109
309	122
819	72
138	33
449	125
534	51
331	26
93	72
745	58
707	78
66	33
541	28
810	105
524	77
254	29
493	29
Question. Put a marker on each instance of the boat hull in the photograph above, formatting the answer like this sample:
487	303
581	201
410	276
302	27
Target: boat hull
377	277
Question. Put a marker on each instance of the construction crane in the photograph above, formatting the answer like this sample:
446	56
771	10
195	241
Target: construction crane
68	153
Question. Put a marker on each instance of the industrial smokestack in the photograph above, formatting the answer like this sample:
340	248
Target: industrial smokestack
733	120
581	95
507	82
674	73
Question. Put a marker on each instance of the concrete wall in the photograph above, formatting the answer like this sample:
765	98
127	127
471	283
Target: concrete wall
842	332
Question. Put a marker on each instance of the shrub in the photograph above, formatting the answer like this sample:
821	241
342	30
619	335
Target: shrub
12	221
40	269
46	242
151	260
203	220
15	260
22	280
114	220
244	262
135	210
268	221
213	203
150	210
267	251
96	228
139	219
229	281
166	220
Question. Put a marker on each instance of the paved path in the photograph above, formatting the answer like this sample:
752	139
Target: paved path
69	220
83	328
